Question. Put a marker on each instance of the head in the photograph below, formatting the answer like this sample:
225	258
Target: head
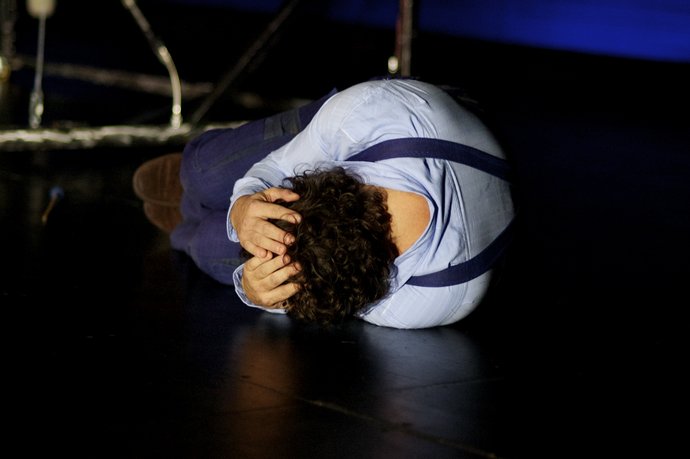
343	245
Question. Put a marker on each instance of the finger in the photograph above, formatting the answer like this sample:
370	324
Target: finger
268	210
274	246
256	262
274	194
280	295
276	271
283	274
273	232
263	267
255	250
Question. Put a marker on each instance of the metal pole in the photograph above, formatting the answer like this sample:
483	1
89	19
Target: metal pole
8	16
164	56
40	10
404	35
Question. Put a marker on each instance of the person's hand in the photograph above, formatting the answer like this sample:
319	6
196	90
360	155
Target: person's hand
264	280
250	214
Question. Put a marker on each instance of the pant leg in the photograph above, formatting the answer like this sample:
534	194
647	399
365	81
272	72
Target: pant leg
211	163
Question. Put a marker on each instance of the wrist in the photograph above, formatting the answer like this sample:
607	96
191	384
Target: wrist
235	211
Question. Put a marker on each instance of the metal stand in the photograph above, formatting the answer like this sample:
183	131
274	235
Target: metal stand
102	137
177	133
174	135
163	55
400	63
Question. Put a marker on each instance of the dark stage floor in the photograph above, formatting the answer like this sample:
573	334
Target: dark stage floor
120	348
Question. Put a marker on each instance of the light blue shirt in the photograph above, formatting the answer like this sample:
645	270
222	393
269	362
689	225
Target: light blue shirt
468	208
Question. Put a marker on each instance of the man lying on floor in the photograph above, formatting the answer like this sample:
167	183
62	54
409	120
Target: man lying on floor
388	201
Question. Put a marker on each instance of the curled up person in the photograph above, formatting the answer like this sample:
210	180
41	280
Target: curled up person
388	201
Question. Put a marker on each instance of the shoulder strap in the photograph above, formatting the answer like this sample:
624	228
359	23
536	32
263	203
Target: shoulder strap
418	147
415	147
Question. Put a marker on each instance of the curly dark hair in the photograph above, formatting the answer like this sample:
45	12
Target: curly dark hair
343	245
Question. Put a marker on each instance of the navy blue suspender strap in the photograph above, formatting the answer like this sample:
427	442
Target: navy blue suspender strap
442	149
468	270
417	147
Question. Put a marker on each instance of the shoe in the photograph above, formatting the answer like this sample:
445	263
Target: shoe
165	218
157	181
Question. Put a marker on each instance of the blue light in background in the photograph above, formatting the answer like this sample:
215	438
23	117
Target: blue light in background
643	29
647	29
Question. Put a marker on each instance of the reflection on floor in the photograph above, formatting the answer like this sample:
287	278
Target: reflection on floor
126	350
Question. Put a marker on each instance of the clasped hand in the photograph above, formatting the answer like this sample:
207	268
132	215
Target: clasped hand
265	280
266	273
